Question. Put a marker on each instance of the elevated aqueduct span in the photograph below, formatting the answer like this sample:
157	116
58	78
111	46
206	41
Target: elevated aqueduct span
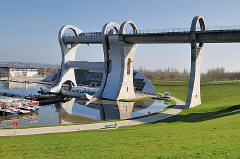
119	49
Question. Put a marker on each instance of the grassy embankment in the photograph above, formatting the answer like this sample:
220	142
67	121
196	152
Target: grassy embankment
211	130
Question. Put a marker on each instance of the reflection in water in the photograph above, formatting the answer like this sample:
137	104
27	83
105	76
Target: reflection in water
16	85
125	109
20	88
71	112
76	110
7	121
154	107
85	111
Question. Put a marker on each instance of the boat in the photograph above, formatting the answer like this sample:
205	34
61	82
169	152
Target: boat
30	108
15	106
24	111
7	112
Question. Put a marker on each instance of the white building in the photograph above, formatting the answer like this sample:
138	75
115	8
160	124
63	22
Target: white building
18	72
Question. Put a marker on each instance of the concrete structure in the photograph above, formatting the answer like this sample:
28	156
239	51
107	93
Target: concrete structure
119	51
117	80
193	97
68	54
94	78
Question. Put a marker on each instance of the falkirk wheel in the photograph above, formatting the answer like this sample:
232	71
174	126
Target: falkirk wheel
117	80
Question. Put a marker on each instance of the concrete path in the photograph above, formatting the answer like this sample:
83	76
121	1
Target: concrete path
106	125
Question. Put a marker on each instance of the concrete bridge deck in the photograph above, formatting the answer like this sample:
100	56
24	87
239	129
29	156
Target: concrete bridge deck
209	36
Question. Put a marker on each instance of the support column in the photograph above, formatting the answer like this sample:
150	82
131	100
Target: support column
107	62
126	87
119	79
194	98
68	54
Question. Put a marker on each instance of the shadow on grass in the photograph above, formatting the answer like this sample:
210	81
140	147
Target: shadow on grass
199	117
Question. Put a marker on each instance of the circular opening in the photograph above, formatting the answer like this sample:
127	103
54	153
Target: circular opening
112	30
198	29
69	46
68	85
128	29
69	33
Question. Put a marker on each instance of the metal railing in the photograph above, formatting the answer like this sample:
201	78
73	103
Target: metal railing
161	31
184	30
90	34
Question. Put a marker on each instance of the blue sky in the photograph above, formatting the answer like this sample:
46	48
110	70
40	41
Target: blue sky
29	29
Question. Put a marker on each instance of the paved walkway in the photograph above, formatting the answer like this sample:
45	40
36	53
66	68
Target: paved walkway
106	125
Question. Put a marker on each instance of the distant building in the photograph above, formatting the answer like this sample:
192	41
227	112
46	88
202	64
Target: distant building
18	71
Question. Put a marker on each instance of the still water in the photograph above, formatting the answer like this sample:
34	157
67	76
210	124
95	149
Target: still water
76	110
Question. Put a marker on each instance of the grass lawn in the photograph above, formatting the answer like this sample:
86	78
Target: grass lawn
211	130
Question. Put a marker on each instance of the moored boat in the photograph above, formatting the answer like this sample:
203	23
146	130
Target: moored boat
13	106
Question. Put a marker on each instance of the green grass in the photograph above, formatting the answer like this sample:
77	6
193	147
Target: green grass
177	88
211	130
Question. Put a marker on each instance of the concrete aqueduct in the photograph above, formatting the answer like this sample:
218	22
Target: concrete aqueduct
119	49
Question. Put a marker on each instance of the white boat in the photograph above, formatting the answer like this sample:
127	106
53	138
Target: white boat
24	111
13	106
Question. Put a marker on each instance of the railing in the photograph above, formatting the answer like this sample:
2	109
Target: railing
157	31
184	30
162	31
91	34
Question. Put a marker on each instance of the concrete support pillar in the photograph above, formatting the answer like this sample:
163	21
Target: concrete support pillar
193	97
126	87
118	79
106	47
68	54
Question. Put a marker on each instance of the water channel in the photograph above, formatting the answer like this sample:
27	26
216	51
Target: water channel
76	110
